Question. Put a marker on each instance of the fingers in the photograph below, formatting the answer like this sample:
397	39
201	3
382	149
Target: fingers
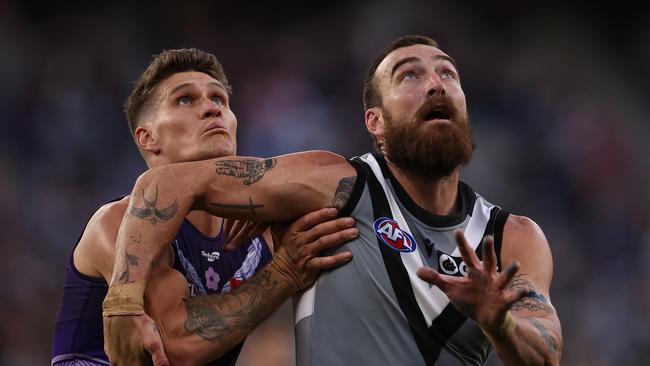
258	229
511	297
489	256
157	353
328	262
431	276
312	219
239	238
327	228
332	240
240	232
507	275
466	251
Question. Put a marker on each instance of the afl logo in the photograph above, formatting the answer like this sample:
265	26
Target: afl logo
389	232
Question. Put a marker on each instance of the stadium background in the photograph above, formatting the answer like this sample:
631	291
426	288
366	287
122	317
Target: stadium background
558	96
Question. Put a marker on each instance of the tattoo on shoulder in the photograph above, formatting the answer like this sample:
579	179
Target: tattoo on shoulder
343	192
251	170
151	212
548	338
532	301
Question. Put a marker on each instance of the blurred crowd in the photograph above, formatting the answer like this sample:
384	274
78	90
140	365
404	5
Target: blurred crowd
557	94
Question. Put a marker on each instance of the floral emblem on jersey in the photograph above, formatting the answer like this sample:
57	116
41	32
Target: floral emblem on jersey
212	279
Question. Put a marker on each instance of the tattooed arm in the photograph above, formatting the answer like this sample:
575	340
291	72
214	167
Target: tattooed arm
536	336
513	311
199	329
275	189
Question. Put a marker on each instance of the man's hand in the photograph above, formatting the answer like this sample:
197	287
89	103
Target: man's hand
299	245
133	340
482	294
238	232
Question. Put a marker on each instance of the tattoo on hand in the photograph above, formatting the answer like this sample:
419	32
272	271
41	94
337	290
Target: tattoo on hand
129	260
343	192
532	301
550	341
213	317
251	170
153	214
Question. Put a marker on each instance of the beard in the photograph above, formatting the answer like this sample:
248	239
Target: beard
429	151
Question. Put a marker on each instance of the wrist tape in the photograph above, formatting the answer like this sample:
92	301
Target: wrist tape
507	327
124	300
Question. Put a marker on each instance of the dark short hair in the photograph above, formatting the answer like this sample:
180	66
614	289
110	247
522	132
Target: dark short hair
162	66
371	97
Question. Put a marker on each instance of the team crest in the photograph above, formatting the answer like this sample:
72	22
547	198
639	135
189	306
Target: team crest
390	234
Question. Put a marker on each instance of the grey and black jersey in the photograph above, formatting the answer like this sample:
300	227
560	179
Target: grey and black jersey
375	310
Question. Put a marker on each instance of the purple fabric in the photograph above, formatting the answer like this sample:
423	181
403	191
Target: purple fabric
78	333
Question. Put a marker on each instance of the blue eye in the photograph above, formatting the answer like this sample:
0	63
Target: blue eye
409	75
184	101
217	100
447	74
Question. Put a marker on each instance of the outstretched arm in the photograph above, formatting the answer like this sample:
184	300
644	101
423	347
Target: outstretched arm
513	310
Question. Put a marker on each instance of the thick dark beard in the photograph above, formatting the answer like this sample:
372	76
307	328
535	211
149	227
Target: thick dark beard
429	152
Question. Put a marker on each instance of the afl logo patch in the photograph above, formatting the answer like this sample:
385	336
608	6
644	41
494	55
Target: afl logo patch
390	234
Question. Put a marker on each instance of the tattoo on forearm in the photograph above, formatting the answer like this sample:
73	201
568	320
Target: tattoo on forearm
250	206
548	338
213	317
251	170
153	214
532	301
343	192
129	260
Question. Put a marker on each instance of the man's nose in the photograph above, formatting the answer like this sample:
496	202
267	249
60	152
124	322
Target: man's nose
435	86
209	108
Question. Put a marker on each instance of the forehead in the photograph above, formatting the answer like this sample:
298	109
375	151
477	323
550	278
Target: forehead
425	53
189	78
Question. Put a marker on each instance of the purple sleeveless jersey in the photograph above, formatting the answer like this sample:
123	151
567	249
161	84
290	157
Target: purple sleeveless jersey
78	333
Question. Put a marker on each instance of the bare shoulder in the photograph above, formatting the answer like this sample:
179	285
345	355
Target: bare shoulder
95	253
525	242
522	227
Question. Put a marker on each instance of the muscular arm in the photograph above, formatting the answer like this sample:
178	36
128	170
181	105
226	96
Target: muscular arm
513	311
196	330
246	188
535	337
274	189
199	329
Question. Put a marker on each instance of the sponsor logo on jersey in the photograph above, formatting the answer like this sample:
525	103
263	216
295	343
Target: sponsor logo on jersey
211	257
390	234
450	265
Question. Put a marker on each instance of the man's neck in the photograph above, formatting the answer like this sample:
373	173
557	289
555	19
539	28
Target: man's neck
438	196
207	224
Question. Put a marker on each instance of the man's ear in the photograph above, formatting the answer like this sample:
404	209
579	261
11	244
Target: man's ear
375	122
146	140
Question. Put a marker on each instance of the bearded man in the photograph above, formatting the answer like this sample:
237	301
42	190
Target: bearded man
419	225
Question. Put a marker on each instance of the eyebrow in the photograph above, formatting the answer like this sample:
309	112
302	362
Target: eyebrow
399	63
184	85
